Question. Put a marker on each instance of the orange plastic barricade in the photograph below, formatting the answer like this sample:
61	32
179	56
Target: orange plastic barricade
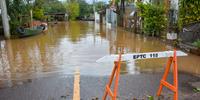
163	81
116	71
116	74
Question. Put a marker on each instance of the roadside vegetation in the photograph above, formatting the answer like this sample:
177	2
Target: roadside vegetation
189	15
189	12
19	11
154	15
154	19
73	9
197	43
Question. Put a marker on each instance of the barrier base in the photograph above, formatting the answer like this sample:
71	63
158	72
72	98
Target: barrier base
163	82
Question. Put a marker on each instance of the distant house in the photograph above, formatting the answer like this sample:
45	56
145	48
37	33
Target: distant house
102	14
97	17
56	16
111	18
129	14
173	13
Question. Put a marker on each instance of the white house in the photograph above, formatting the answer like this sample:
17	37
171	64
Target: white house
97	17
111	18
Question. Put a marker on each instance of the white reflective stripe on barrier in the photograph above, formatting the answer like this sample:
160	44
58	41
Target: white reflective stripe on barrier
135	56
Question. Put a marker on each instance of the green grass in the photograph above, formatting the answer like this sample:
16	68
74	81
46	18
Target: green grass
150	97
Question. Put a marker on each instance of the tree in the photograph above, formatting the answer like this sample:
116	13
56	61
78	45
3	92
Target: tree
100	5
85	9
47	6
189	12
18	11
154	17
72	9
38	12
54	6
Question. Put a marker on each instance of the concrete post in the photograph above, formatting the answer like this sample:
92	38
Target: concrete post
5	19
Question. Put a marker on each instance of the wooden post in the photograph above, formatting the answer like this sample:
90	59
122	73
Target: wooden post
5	19
31	13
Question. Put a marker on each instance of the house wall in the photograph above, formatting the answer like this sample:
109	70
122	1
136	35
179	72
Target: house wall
174	11
174	4
111	18
97	17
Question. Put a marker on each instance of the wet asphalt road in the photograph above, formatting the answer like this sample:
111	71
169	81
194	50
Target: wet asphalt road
92	88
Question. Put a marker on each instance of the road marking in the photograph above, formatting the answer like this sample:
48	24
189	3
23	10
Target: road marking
76	94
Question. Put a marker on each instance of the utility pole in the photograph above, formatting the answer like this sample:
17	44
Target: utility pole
94	4
5	20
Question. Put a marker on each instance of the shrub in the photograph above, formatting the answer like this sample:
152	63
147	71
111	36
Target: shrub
38	14
17	10
189	12
197	43
154	19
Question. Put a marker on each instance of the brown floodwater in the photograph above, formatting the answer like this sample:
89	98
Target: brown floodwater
68	46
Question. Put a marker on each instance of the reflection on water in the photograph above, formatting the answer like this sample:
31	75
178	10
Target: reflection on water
71	45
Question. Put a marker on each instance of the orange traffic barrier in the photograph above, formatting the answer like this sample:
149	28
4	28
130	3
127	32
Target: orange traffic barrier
116	74
163	81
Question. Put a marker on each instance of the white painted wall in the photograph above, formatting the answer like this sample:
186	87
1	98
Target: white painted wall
146	1
174	4
97	17
111	18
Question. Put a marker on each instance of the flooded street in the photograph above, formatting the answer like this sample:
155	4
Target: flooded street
99	50
42	67
68	46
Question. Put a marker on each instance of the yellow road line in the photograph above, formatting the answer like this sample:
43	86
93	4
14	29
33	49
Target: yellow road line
76	94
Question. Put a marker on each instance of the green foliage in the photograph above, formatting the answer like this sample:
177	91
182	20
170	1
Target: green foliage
150	98
18	11
100	5
73	9
54	6
154	19
189	12
85	9
197	43
47	6
38	14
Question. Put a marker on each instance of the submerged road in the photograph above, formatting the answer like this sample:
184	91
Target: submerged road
42	67
92	88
